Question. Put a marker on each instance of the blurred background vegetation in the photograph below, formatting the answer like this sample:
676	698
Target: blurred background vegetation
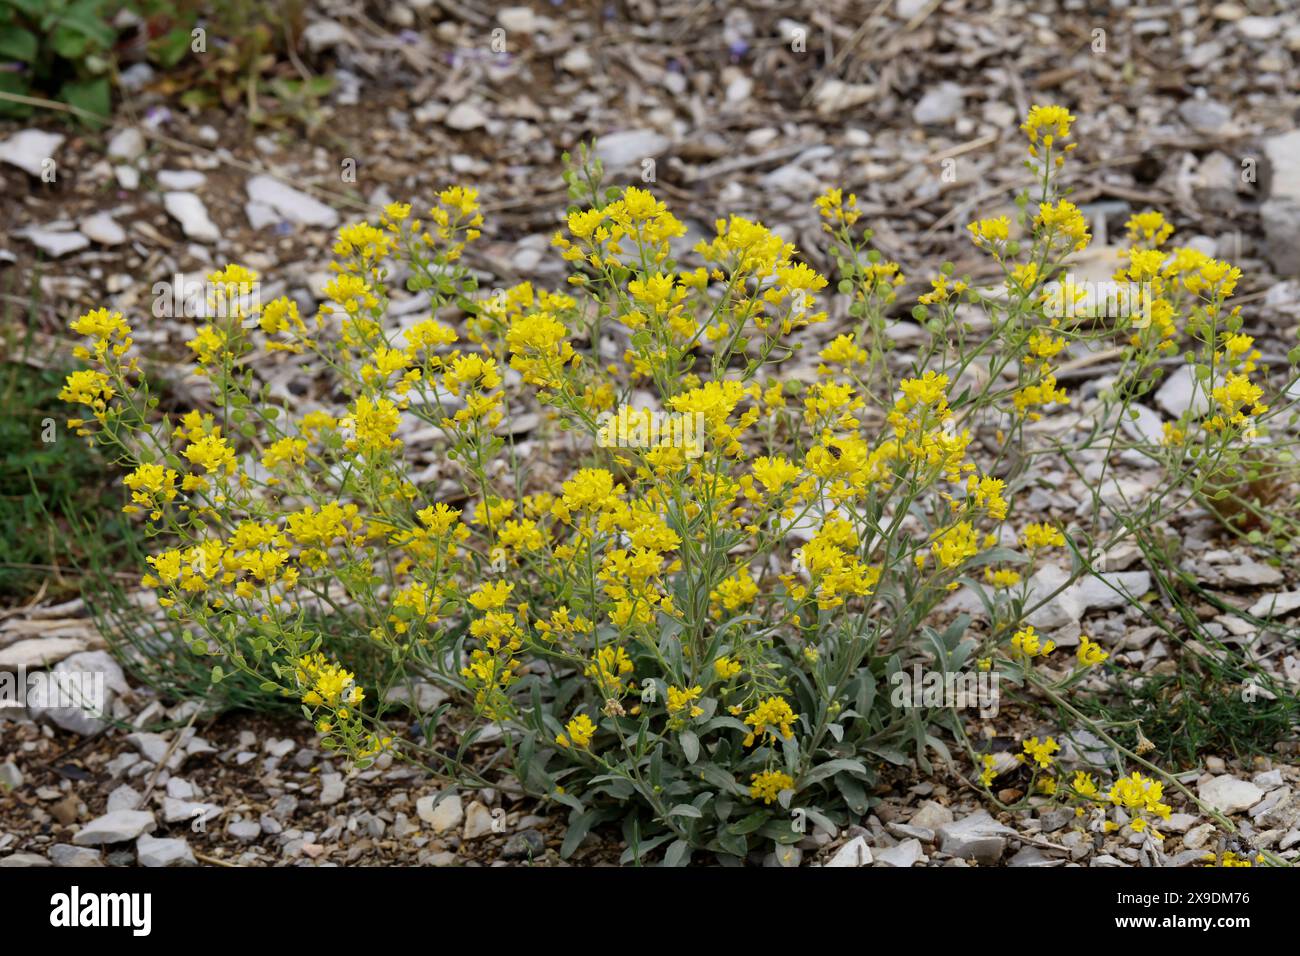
215	52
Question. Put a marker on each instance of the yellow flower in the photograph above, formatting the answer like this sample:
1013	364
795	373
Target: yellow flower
985	232
582	224
607	670
1043	345
152	486
1137	792
1089	652
491	511
281	315
1084	785
775	473
726	668
1228	859
1064	219
1002	577
364	240
472	371
211	453
522	535
233	277
986	493
489	676
1048	123
581	729
462	200
497	630
953	546
842	350
734	593
108	329
428	336
1027	642
746	247
312	527
286	451
988	762
714	400
351	292
654	292
1041	536
1041	393
492	595
768	784
1144	264
1039	752
771	714
1239	346
374	421
323	683
832	206
922	404
940	291
1044	126
540	349
384	362
1232	397
590	490
1211	278
561	623
683	700
208	345
88	387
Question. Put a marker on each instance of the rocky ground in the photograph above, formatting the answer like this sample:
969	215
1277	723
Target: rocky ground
241	790
1188	107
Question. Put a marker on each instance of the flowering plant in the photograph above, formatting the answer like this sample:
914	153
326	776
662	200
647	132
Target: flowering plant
678	606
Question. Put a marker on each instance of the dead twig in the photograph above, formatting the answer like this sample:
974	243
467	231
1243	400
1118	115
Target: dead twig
171	749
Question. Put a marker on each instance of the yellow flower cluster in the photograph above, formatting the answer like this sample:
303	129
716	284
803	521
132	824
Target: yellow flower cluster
1028	643
1047	127
766	785
771	716
1038	751
325	684
1141	795
686	541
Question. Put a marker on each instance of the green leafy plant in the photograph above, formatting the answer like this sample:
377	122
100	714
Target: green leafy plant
688	616
49	482
1207	698
213	52
64	47
224	52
